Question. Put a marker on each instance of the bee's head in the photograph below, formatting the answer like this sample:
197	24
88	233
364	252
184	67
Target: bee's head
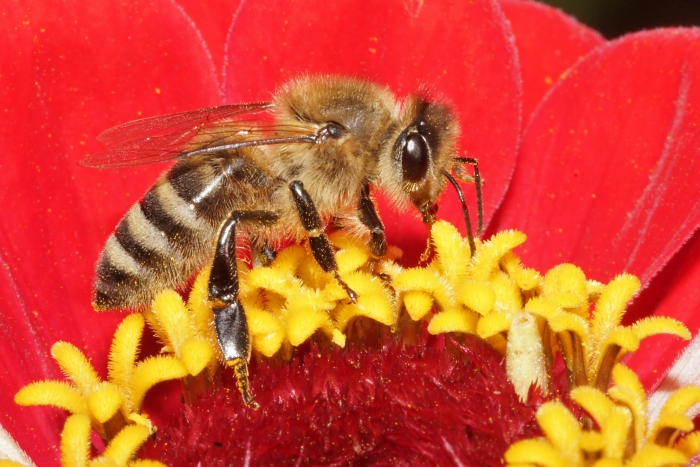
423	150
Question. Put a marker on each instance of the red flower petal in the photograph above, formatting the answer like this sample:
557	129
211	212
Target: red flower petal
608	165
462	49
213	20
548	42
607	176
674	292
76	70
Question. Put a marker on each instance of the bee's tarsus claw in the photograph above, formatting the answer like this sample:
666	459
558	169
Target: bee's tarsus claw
352	295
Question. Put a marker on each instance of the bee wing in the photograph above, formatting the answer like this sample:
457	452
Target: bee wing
167	137
183	121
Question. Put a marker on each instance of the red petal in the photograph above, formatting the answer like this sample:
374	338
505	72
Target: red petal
462	49
212	19
548	42
675	293
608	168
76	70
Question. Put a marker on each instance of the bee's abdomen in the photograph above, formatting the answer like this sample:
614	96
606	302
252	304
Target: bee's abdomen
157	245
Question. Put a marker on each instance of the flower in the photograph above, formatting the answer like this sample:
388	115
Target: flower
77	69
622	434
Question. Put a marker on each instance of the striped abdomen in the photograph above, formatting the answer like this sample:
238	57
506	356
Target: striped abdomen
167	237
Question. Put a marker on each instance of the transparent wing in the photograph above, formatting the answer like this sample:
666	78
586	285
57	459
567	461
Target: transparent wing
167	137
183	121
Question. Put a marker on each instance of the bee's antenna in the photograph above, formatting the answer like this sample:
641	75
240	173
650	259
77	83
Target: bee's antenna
479	200
470	235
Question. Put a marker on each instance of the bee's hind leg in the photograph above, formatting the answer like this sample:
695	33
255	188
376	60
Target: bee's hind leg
229	317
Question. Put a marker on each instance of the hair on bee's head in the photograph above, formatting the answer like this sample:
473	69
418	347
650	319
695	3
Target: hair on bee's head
423	148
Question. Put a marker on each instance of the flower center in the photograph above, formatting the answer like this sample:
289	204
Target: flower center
489	296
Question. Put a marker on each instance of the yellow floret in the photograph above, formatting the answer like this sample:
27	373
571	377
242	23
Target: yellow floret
75	441
525	357
479	297
561	429
267	330
124	350
105	401
75	366
453	320
54	393
449	245
173	319
526	316
490	252
123	447
196	354
151	371
417	303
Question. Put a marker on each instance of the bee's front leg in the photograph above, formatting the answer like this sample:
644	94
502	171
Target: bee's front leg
320	246
229	317
367	214
369	217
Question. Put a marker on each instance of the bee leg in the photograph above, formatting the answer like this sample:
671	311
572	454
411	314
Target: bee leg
229	317
477	183
369	217
320	246
465	211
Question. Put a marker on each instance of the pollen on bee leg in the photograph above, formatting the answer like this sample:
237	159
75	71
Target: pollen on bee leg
525	357
240	369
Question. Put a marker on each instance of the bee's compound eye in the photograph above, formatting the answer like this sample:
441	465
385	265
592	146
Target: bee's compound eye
415	158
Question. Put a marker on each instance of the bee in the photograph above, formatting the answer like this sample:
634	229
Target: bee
270	171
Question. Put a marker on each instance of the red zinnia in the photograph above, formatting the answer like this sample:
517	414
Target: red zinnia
605	171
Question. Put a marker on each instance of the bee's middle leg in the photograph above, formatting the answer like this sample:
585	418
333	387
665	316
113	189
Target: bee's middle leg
229	317
320	246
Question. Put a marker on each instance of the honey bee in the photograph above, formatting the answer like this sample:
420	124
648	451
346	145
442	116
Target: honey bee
270	171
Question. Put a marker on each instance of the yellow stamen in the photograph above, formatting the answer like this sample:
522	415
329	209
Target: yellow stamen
54	393
75	444
124	350
108	406
622	438
150	372
75	366
521	313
